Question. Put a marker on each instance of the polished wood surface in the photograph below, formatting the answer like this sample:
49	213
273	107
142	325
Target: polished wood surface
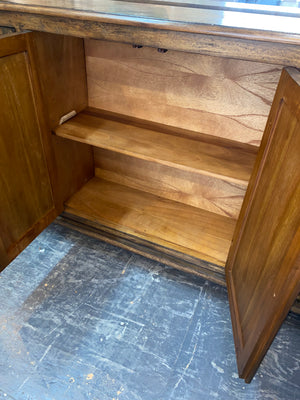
214	95
263	269
215	195
12	44
231	31
185	16
245	45
213	157
61	72
59	68
170	224
26	203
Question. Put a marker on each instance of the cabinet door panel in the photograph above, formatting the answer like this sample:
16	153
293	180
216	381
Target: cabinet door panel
263	267
26	204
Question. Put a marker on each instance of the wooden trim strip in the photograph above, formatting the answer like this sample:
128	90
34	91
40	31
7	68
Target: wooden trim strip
283	50
182	262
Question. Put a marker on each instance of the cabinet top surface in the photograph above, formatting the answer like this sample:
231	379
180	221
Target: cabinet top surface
196	16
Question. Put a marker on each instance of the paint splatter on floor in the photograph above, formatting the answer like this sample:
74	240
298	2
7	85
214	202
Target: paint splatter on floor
86	320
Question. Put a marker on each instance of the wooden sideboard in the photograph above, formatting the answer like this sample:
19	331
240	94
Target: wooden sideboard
153	126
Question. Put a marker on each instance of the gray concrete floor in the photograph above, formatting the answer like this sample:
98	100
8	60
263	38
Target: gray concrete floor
81	319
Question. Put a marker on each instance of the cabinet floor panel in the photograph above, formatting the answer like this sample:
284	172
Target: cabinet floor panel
168	146
182	228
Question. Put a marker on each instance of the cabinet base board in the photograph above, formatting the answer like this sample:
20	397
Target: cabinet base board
206	270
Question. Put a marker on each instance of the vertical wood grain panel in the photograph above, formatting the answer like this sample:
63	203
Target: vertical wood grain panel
25	190
262	270
59	70
61	73
213	95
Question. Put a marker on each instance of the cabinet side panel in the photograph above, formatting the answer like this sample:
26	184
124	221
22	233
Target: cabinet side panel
59	69
218	96
60	63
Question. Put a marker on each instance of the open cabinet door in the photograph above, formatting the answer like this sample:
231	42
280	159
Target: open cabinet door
42	78
263	266
26	203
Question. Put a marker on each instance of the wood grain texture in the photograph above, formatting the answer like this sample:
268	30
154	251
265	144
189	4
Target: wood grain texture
213	95
168	256
211	194
13	44
226	161
27	238
4	258
263	269
25	190
259	46
59	72
194	16
185	229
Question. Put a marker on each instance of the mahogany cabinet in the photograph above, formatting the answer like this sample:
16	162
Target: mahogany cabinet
181	156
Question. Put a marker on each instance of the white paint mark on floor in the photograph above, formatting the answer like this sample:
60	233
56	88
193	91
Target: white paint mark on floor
219	369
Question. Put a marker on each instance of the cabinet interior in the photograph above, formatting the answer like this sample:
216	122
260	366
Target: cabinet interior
174	137
160	151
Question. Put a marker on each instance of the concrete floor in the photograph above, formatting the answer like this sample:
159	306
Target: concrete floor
81	319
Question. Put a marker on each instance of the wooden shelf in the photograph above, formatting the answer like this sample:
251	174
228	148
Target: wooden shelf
220	158
184	229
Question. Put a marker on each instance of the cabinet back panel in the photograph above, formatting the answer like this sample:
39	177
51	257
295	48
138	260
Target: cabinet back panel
213	95
198	190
